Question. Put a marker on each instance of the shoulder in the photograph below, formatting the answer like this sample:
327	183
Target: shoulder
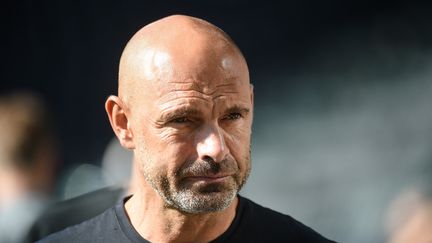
92	203
263	214
101	228
76	210
276	226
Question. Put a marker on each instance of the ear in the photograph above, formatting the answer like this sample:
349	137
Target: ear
120	123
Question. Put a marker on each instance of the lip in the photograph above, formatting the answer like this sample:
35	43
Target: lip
208	179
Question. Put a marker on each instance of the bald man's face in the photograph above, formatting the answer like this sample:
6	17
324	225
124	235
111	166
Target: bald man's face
191	118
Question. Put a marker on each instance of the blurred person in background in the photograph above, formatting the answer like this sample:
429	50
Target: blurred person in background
27	163
117	167
410	216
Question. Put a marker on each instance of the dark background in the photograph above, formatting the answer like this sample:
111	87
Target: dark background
69	50
309	60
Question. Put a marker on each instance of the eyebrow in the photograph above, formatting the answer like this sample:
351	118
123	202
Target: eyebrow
179	112
237	109
190	111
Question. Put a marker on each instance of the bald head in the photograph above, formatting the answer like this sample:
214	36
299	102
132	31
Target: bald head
173	48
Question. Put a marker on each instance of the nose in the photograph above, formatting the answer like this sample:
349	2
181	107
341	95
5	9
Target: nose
211	144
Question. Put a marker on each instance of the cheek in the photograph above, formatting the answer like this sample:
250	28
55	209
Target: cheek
171	151
239	146
238	136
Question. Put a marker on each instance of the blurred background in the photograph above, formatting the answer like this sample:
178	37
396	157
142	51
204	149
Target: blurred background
343	94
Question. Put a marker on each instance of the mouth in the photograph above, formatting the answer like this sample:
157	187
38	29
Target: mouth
208	178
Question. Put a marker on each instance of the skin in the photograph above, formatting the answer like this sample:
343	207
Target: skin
185	108
417	228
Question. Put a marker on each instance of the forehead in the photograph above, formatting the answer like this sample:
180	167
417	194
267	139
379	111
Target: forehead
208	73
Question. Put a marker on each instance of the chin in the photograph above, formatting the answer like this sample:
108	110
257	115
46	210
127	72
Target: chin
203	202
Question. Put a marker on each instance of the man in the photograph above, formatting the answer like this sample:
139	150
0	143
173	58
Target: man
27	163
185	108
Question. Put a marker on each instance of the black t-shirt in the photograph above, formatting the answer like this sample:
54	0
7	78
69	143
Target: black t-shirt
73	211
252	223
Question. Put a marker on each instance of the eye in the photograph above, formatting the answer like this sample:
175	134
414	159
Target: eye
180	120
232	116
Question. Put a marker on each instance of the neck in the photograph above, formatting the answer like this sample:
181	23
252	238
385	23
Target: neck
155	222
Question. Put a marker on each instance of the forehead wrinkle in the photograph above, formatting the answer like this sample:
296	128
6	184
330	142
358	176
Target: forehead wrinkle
180	94
181	101
184	98
223	95
224	85
204	87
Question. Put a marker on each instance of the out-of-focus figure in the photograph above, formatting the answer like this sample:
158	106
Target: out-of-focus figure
117	167
27	163
410	217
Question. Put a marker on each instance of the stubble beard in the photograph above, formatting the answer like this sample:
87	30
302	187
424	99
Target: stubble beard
195	198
